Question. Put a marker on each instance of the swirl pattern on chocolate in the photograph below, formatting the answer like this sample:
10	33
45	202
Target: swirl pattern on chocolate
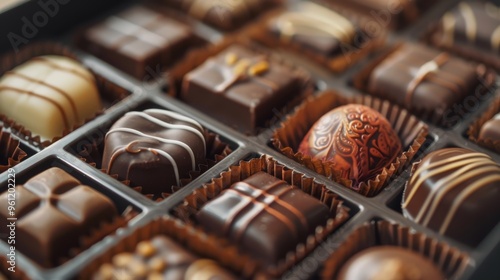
162	144
452	186
357	140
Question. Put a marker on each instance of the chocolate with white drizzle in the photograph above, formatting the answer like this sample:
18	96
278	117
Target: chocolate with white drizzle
315	28
423	79
154	149
49	95
455	191
241	87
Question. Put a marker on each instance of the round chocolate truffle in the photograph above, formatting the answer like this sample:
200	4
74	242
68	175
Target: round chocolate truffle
456	192
389	263
357	140
154	149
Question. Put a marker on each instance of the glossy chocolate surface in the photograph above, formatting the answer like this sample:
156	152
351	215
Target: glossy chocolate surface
264	216
138	41
222	14
357	140
423	79
54	210
154	149
241	88
161	258
315	28
455	191
474	23
389	263
491	129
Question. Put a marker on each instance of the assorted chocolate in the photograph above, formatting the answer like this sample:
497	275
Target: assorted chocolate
241	87
265	218
139	41
49	95
258	212
357	140
163	144
54	211
425	81
472	29
389	263
161	258
452	186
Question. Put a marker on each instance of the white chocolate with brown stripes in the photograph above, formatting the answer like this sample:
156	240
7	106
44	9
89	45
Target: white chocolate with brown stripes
49	95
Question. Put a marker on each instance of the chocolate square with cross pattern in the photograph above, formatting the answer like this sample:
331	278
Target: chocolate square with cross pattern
264	216
53	211
241	87
422	79
138	40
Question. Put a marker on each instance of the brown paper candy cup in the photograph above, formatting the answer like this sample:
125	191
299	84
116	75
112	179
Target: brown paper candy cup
188	237
449	260
475	128
350	54
216	151
486	78
10	150
339	213
108	91
411	131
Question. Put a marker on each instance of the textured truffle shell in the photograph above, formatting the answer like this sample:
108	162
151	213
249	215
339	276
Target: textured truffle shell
357	140
456	192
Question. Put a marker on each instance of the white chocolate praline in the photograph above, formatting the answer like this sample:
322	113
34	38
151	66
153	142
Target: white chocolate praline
48	95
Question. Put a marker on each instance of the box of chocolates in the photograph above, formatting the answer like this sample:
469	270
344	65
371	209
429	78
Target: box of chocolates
281	139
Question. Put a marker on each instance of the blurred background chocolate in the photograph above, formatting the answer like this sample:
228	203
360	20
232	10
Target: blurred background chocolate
491	129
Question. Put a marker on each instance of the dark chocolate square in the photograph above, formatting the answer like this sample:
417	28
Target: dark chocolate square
264	216
53	212
138	40
240	88
424	80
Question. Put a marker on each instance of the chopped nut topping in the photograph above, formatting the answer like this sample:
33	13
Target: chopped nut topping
122	260
157	264
145	249
231	58
258	68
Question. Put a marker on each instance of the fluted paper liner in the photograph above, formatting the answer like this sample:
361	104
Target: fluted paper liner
107	90
411	131
337	63
339	213
475	127
10	150
198	57
188	237
216	151
486	78
449	260
433	36
19	274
